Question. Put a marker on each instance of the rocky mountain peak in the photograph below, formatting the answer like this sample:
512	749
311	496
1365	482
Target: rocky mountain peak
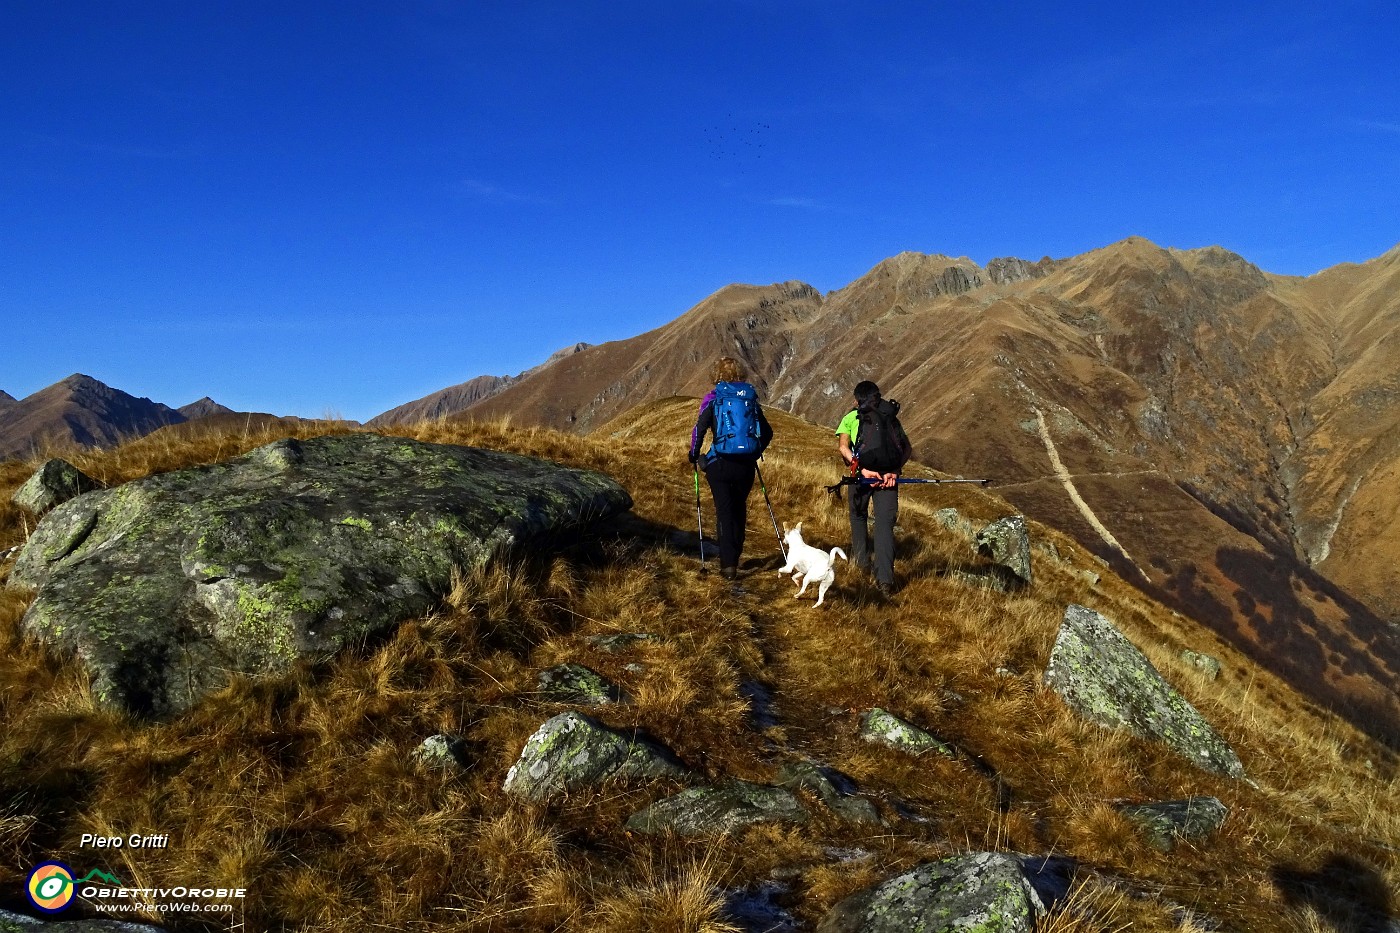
923	276
203	408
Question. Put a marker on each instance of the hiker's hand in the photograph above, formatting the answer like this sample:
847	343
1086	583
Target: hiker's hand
692	456
888	480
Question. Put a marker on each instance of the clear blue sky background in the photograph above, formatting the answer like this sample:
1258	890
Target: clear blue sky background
340	206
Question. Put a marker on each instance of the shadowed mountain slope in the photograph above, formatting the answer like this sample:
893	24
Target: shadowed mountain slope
1104	391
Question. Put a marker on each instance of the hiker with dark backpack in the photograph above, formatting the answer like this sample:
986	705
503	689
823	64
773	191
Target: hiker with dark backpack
875	447
731	413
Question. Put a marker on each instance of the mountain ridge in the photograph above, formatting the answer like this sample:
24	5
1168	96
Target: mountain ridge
1258	409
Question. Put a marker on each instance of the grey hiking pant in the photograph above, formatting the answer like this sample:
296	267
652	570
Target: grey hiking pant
886	503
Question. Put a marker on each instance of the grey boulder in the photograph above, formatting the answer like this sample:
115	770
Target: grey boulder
164	585
983	891
1103	677
1164	823
53	484
574	683
572	751
882	727
702	811
1007	544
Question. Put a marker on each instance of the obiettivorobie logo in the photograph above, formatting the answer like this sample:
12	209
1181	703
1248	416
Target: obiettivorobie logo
52	885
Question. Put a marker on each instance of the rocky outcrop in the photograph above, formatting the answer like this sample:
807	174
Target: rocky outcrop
53	484
1104	678
19	923
825	783
705	811
1202	662
294	550
981	891
441	753
1164	823
1008	270
1007	544
884	728
572	751
574	683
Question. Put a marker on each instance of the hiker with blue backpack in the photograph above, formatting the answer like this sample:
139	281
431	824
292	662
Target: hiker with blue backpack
731	413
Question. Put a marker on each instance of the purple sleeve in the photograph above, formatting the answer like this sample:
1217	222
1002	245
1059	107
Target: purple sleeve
695	436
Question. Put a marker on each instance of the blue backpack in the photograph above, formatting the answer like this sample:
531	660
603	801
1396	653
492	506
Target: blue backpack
736	419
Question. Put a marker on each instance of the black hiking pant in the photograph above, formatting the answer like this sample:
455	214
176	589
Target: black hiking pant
730	483
886	502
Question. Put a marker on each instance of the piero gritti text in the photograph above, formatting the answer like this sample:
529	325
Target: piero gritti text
133	841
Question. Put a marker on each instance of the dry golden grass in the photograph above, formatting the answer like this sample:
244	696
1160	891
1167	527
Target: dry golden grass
302	788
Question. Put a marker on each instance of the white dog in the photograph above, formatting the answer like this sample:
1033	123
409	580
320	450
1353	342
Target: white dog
807	564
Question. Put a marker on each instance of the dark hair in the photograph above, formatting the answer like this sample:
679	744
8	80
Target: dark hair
867	393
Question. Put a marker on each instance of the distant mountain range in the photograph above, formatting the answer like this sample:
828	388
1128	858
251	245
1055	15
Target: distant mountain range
84	412
1229	437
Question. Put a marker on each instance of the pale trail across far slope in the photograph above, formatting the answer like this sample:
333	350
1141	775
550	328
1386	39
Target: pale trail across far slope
1074	496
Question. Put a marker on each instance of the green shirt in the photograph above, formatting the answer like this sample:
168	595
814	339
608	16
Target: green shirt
850	424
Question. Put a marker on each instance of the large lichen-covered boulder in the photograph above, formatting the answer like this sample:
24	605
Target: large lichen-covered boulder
572	751
165	584
983	891
703	811
53	484
1102	676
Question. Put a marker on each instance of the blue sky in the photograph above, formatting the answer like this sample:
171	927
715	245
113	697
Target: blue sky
336	207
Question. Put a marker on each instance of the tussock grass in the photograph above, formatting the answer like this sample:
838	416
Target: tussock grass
303	790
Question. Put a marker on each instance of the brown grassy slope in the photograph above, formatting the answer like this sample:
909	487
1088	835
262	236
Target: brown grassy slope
300	789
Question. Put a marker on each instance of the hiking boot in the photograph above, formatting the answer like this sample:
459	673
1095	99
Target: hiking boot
885	589
729	573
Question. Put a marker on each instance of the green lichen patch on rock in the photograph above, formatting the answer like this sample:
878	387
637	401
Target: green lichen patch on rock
572	751
1103	677
164	585
987	892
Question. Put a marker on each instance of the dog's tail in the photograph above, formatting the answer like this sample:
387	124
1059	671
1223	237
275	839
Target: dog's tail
834	551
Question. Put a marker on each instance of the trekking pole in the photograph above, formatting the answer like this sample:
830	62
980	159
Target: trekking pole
781	549
835	489
698	520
